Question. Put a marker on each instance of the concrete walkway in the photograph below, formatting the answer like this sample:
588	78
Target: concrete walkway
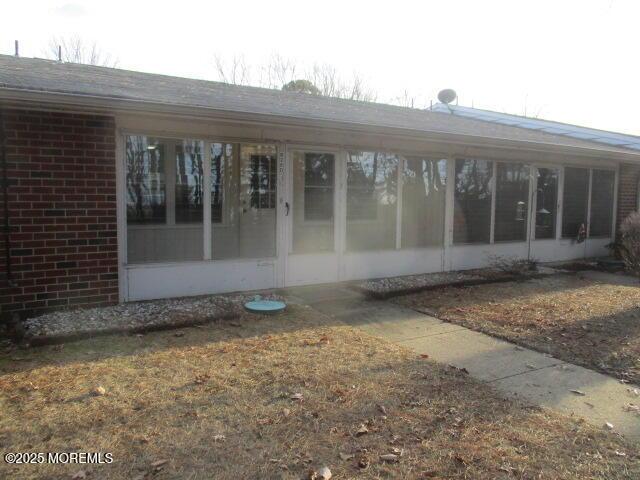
515	371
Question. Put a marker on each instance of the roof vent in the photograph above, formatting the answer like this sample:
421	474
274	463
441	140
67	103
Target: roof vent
447	95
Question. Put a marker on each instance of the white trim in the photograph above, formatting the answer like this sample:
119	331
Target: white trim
449	205
588	227
399	182
98	104
206	199
560	203
121	218
493	182
614	216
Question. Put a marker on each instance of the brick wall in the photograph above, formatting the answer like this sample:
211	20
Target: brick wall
627	190
62	203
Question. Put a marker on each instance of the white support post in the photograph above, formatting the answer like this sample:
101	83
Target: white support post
206	198
589	203
614	214
494	174
121	218
448	214
342	158
559	202
399	204
170	185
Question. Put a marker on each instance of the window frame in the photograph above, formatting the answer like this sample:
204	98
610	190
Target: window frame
492	187
364	221
558	203
334	189
207	224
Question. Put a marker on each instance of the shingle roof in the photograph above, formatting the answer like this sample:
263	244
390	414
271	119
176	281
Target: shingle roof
558	128
27	74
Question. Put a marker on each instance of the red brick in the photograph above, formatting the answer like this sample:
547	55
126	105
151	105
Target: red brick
62	203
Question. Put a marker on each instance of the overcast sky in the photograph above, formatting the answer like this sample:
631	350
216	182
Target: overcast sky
570	61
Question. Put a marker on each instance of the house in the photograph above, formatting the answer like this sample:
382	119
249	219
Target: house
128	186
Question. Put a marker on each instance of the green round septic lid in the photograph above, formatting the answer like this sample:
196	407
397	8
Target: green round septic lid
258	305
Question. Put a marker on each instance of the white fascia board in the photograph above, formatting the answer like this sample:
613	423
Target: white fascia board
113	106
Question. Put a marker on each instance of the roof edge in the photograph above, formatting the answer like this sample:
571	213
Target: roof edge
114	105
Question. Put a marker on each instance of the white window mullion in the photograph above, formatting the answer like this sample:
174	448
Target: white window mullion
533	202
206	198
589	202
399	204
614	214
170	185
559	203
494	174
448	213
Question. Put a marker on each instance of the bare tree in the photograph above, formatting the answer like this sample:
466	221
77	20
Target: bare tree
233	71
405	100
331	84
75	50
280	72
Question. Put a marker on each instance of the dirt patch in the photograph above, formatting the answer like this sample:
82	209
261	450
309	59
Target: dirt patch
591	319
280	397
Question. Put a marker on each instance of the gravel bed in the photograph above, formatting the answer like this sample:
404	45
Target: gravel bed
392	286
135	317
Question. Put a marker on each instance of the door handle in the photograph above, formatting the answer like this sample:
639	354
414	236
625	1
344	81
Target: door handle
286	206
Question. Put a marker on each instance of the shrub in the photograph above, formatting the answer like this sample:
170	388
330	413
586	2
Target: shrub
630	239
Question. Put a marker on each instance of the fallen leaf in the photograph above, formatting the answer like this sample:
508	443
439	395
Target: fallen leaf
286	412
362	430
578	392
99	391
608	425
390	457
297	396
346	456
79	475
424	355
620	454
382	409
219	438
324	473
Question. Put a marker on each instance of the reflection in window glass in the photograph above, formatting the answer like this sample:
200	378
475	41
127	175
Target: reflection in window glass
601	203
221	160
146	189
312	202
546	202
318	186
189	178
574	201
512	202
371	200
164	199
423	200
248	178
263	181
472	210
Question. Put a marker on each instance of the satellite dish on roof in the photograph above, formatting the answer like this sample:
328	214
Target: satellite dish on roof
447	95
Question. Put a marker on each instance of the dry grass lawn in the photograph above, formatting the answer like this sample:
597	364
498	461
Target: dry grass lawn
592	319
280	397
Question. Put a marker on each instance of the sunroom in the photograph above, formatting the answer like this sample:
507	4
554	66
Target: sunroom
206	214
